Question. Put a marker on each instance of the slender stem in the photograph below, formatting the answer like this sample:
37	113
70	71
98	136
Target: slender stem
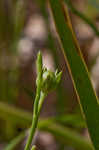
32	132
36	102
34	121
37	108
43	95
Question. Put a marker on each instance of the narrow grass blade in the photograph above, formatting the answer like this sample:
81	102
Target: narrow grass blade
15	142
67	136
78	71
24	119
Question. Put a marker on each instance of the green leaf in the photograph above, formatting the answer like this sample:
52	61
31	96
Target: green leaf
15	142
23	119
66	136
94	3
77	69
83	17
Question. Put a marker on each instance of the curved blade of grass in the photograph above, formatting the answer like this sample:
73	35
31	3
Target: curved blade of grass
15	142
24	119
78	71
67	136
70	119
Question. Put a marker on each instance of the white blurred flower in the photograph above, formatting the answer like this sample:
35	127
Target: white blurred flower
48	60
36	28
25	48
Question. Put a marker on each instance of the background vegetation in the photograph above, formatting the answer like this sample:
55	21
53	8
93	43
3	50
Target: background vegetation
27	27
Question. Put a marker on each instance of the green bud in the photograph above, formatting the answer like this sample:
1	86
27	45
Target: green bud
50	80
33	147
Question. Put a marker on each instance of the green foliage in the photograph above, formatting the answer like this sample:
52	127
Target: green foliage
14	142
67	136
83	17
78	71
12	17
12	24
43	88
94	3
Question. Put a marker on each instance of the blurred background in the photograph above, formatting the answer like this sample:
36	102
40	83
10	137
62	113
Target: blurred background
25	28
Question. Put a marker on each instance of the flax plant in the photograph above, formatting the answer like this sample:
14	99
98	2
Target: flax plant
46	81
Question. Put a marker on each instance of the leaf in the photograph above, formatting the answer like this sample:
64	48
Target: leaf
94	3
66	136
83	17
77	68
23	119
73	120
15	142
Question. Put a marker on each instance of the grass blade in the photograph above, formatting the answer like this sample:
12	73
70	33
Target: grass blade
67	136
15	142
78	71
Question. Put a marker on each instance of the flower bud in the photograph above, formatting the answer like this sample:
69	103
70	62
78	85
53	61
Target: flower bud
50	80
33	147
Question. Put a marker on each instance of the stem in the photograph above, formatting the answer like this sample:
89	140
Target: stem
37	108
34	121
43	95
36	102
32	132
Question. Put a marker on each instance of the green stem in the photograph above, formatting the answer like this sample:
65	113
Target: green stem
37	108
34	121
32	132
43	95
36	102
